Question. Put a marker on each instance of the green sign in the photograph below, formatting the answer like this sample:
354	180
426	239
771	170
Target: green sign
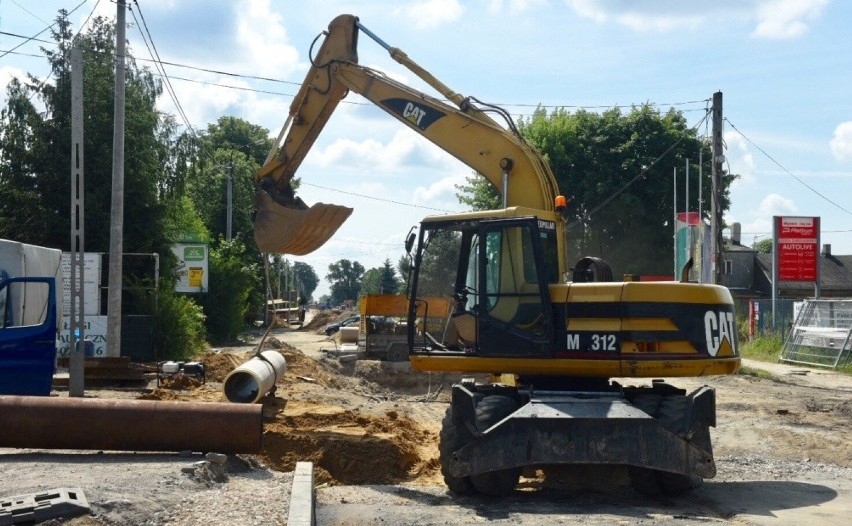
193	254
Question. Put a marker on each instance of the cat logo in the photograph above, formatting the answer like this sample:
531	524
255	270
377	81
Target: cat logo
420	116
413	114
718	327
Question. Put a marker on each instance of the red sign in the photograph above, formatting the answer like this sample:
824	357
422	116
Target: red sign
797	239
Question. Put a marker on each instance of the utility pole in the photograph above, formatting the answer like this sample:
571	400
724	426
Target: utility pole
116	232
230	199
77	325
716	190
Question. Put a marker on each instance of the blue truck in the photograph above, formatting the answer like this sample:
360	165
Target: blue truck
28	328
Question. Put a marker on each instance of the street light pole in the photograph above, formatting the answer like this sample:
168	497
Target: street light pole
230	206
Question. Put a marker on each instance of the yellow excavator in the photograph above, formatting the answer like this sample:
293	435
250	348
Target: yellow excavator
552	338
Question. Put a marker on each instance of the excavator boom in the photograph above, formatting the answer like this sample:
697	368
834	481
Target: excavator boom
285	224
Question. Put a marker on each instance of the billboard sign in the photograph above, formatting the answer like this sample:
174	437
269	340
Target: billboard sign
192	267
797	239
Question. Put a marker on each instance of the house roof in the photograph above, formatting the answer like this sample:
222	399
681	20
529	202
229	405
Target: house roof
835	274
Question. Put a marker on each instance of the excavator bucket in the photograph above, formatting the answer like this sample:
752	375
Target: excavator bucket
284	230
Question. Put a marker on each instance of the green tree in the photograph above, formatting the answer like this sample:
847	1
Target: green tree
228	303
345	279
403	267
478	193
371	282
390	283
230	150
306	277
380	280
43	140
615	170
764	246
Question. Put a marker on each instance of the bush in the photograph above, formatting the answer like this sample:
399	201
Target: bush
179	331
232	281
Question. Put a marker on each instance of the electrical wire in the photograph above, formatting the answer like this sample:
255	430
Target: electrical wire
74	38
788	172
641	173
30	12
374	198
267	79
42	31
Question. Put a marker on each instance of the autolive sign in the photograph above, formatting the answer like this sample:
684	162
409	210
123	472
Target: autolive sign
797	239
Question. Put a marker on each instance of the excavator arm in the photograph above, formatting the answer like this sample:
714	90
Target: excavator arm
462	127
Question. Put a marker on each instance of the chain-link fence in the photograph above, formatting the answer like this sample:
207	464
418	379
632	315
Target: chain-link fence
756	317
821	334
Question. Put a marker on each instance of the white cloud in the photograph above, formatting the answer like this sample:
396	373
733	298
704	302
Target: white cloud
774	18
429	14
759	221
7	73
263	36
513	6
775	205
781	19
841	143
404	149
740	159
202	103
646	16
442	190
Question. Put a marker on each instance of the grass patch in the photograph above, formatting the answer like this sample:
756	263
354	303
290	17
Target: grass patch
763	348
758	373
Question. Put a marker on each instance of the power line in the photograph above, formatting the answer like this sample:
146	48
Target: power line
29	12
42	31
641	173
268	79
168	84
788	172
52	69
374	198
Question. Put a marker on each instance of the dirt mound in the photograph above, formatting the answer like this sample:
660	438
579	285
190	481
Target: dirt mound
201	393
218	365
324	317
348	447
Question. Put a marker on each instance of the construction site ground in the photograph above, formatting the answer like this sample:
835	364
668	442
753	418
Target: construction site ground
783	449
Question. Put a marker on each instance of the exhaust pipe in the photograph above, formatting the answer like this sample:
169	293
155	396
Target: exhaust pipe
129	425
249	382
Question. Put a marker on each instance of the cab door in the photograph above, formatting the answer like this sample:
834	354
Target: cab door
513	303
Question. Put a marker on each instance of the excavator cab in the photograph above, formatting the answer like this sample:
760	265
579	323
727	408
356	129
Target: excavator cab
497	272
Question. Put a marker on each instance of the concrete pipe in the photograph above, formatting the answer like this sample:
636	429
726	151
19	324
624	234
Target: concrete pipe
249	382
349	334
129	425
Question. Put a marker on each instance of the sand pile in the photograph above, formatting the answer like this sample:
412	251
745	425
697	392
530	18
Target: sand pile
348	447
318	415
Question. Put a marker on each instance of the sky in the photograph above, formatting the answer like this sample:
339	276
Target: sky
784	68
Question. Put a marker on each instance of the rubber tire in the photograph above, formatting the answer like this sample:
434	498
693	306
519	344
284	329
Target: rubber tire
500	483
448	443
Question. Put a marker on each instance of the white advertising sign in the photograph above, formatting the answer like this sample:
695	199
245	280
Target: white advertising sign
91	283
94	330
192	267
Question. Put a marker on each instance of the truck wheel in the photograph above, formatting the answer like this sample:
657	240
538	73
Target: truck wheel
448	443
489	411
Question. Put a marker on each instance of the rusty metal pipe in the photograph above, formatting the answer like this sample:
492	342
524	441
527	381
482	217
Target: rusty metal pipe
129	425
